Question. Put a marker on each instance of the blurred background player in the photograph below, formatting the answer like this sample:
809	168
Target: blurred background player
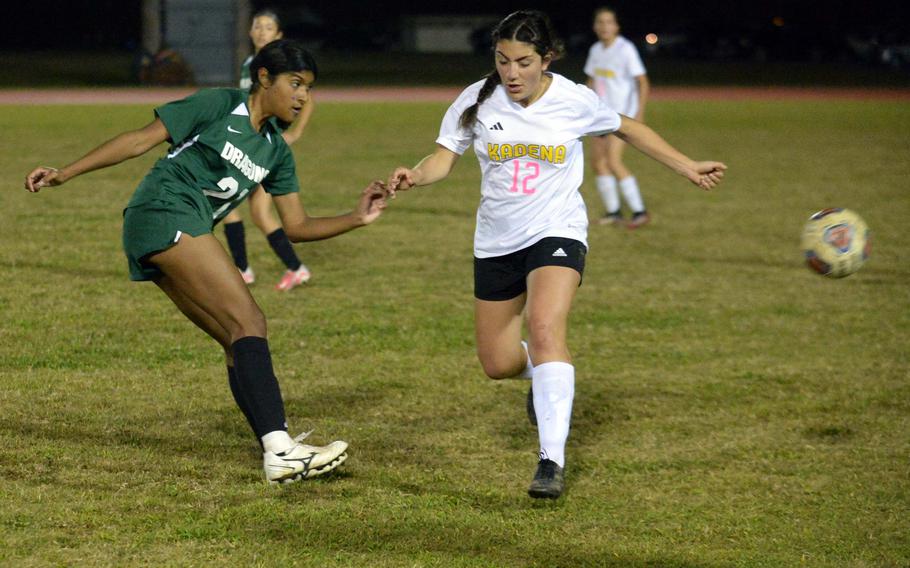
616	73
525	124
224	143
266	27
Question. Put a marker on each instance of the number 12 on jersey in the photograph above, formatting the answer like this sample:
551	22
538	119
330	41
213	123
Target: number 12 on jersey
533	167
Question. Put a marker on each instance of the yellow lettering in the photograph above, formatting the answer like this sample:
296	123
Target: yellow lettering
521	150
534	151
546	153
493	151
506	151
560	155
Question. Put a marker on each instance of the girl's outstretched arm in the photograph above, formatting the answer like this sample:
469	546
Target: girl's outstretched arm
703	174
118	149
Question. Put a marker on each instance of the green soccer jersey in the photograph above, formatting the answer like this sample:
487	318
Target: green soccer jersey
246	80
216	157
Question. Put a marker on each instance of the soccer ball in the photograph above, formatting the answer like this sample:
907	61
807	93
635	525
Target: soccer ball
836	242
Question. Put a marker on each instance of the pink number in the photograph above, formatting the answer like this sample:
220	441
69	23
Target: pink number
514	187
536	167
524	182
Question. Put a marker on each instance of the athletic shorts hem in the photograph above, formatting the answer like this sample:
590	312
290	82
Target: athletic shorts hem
153	227
505	277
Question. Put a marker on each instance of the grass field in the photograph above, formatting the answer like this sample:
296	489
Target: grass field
732	409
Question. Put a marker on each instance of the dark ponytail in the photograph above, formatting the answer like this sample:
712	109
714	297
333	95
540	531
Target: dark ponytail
527	26
281	56
469	116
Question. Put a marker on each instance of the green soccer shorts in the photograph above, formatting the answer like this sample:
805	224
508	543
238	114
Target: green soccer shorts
154	226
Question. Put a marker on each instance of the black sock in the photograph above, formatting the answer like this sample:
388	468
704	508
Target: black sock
257	384
282	247
236	239
238	397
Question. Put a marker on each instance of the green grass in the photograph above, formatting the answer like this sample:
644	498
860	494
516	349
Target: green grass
732	408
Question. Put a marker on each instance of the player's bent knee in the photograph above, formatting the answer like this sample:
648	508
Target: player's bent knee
249	324
497	368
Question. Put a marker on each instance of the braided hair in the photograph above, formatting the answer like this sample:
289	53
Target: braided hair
527	26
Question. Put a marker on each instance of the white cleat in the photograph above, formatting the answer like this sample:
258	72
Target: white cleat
248	276
303	461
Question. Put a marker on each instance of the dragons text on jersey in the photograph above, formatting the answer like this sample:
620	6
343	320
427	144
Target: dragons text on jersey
217	157
243	163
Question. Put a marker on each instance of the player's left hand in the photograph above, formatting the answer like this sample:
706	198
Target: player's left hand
372	202
42	176
707	175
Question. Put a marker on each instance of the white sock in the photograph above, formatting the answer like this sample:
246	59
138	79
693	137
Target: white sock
277	442
629	187
606	186
529	366
554	388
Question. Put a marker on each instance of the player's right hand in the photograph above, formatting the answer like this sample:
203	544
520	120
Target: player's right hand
40	177
372	202
401	179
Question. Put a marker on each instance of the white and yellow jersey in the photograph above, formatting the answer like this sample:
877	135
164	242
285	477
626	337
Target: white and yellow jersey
531	162
613	70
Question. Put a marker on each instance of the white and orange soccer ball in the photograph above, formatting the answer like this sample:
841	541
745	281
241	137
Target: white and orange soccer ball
836	242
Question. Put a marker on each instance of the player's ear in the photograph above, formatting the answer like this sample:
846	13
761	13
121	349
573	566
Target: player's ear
264	78
546	60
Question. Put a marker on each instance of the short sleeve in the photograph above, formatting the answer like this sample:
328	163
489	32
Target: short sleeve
636	66
604	119
283	177
187	116
451	134
589	63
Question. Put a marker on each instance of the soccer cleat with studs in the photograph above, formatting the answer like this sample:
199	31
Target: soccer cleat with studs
611	219
638	220
303	461
549	481
293	278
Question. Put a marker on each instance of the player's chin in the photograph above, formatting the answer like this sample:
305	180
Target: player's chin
288	116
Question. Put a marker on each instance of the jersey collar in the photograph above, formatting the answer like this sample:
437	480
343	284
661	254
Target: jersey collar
242	110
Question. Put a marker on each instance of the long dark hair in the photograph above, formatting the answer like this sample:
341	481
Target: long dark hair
527	26
281	56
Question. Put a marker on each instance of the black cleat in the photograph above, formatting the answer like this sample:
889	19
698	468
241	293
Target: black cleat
529	406
611	219
549	482
638	220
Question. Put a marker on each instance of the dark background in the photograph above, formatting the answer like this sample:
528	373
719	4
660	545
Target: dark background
795	42
115	24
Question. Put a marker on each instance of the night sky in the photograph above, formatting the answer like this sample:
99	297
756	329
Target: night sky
115	24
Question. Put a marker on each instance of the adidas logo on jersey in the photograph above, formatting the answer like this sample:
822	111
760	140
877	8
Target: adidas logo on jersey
497	126
560	252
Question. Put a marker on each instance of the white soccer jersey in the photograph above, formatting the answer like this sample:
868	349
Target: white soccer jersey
614	70
531	162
